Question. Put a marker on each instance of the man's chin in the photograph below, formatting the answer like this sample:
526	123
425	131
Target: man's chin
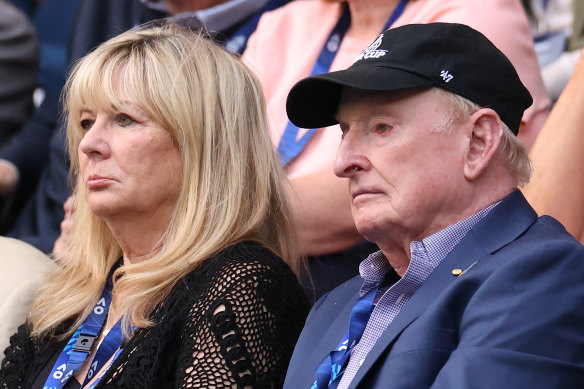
369	230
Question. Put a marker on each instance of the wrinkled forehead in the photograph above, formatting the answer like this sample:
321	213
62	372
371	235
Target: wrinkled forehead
360	99
350	95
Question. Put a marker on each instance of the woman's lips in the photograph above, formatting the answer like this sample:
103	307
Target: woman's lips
96	181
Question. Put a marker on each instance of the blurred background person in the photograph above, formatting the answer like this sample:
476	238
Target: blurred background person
229	22
19	58
557	185
182	241
558	30
24	270
26	154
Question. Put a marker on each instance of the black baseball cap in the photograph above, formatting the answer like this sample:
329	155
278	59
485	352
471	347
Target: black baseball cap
450	56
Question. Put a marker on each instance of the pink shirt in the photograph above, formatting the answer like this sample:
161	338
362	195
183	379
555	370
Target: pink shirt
287	43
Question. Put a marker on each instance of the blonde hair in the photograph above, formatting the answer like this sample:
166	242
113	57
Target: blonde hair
232	185
511	149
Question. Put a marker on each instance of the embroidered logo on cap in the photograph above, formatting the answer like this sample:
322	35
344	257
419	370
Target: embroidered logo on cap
371	51
446	75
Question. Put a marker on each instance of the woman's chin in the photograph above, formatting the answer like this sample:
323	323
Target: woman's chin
103	209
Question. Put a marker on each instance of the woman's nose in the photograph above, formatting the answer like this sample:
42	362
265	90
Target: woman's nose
95	142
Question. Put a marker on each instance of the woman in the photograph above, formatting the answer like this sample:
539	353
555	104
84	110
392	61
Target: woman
180	207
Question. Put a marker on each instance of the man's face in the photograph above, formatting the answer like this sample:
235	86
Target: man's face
405	173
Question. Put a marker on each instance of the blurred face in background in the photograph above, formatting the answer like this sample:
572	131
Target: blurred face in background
177	6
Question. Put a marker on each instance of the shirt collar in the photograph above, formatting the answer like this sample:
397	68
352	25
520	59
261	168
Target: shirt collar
434	248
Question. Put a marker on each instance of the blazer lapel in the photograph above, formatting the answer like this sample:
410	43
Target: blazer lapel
501	226
323	333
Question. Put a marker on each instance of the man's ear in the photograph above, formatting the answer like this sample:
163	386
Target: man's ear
487	131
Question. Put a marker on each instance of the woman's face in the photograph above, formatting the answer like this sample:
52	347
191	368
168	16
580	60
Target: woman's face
129	165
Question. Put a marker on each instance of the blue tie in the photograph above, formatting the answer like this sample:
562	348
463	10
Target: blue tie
329	371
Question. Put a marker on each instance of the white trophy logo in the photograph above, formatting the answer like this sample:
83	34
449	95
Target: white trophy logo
371	51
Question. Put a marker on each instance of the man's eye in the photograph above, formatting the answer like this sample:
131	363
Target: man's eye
124	120
382	128
344	131
86	124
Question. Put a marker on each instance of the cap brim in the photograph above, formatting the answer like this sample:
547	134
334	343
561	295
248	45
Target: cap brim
313	102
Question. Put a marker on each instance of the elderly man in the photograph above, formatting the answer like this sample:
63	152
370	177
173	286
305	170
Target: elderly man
470	288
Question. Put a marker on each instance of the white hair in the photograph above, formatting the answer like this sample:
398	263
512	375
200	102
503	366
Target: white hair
511	149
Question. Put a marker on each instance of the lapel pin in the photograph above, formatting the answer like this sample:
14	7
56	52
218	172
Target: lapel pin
459	272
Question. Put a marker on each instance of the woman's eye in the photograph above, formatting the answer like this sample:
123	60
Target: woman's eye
86	124
382	128
124	120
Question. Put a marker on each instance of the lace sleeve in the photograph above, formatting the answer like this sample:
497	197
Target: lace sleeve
242	333
17	359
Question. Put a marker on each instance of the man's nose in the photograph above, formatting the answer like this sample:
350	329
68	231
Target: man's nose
350	157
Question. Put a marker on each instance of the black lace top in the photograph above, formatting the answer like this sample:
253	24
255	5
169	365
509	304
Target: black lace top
232	322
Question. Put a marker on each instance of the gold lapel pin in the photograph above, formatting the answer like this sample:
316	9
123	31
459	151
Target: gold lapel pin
459	272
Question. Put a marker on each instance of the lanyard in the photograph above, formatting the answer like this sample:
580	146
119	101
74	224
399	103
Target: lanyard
79	346
289	147
108	347
237	42
329	371
117	354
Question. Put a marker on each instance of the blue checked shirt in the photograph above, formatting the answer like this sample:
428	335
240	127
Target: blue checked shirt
425	256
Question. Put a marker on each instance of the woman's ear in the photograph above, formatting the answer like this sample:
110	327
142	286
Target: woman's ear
487	131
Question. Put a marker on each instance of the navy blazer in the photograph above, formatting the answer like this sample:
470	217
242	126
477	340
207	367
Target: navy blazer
515	319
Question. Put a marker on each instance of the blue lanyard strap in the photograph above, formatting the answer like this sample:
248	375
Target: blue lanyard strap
79	346
330	370
117	354
108	347
237	42
289	147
